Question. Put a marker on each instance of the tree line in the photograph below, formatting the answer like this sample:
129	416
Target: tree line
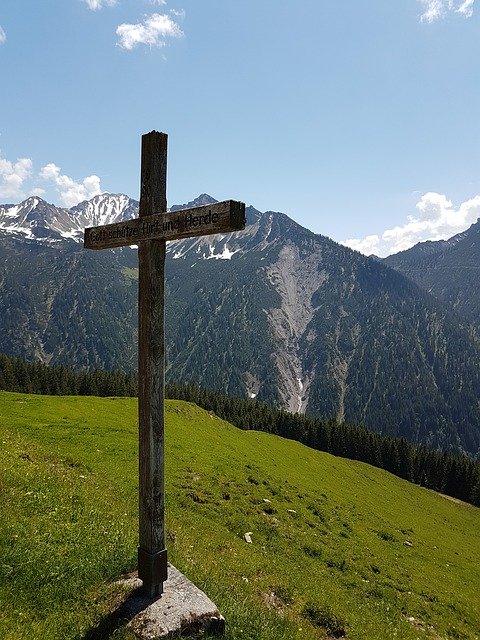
39	378
454	475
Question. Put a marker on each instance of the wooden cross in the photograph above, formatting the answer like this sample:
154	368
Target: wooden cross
150	231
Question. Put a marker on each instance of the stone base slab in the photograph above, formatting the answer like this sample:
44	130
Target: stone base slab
182	609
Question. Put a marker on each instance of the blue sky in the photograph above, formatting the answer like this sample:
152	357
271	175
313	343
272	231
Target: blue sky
358	118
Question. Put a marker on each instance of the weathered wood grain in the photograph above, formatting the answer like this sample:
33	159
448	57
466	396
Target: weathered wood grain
220	217
152	557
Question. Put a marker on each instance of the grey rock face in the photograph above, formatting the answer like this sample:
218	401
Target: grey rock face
182	609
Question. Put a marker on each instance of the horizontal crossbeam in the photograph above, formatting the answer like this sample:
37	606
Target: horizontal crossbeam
220	217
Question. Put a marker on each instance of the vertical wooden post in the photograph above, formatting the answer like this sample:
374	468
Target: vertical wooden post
152	555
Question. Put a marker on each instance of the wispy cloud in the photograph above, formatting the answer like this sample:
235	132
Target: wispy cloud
433	10
437	219
3	35
153	31
466	8
71	192
95	5
436	9
13	176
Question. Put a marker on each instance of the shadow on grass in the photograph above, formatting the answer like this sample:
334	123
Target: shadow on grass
135	603
194	626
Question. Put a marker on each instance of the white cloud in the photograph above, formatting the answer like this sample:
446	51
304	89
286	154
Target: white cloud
13	176
18	181
437	219
436	9
466	8
95	5
367	245
3	36
37	191
71	192
178	14
153	31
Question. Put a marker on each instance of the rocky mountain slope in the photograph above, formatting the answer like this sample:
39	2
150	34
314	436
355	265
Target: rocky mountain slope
274	312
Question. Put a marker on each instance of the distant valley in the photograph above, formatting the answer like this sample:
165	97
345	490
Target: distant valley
275	313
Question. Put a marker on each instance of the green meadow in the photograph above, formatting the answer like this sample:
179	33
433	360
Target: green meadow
338	548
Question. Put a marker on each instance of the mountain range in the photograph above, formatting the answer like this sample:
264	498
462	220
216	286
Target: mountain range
275	312
448	269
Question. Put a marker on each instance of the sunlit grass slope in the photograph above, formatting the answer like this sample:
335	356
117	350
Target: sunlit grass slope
338	547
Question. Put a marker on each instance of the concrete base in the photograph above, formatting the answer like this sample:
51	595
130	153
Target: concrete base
182	609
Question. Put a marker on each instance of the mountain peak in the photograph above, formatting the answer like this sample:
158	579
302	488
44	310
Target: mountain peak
104	208
33	201
105	195
34	218
202	199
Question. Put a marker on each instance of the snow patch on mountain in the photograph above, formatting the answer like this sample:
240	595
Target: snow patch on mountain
226	254
36	219
256	236
252	385
104	209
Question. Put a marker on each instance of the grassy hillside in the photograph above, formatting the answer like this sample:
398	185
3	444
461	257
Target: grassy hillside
338	547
